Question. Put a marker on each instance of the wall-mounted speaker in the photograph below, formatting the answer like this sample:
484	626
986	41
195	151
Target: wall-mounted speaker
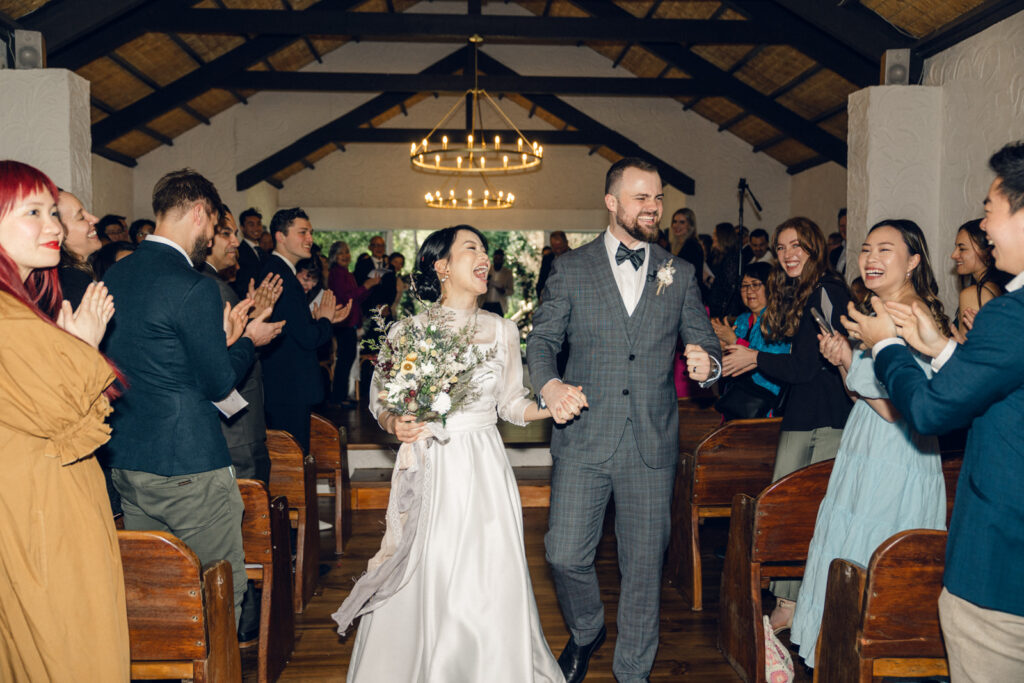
896	67
29	50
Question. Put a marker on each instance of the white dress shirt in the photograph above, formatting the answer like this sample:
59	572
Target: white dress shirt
173	245
628	279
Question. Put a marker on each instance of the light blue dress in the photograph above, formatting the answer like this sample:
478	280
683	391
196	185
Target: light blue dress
887	478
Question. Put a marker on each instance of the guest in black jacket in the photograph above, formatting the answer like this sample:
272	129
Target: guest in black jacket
291	373
251	259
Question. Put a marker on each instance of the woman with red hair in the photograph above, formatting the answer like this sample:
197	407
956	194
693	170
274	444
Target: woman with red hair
62	609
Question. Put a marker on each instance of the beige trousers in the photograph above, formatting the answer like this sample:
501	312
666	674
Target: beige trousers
984	645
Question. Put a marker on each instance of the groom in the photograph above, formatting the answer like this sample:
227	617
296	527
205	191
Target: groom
622	302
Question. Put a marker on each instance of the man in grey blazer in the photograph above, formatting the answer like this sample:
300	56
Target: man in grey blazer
622	302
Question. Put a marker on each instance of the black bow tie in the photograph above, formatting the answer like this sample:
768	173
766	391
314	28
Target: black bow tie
635	256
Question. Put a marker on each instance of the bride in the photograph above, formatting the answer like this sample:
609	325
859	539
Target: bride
448	598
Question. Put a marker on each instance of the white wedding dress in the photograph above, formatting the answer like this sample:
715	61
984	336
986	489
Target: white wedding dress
449	598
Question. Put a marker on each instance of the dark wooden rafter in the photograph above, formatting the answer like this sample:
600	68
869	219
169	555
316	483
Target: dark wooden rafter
108	153
332	132
107	109
965	26
196	82
843	55
150	83
610	138
79	32
777	93
305	39
739	64
456	83
364	134
806	164
824	116
650	13
455	27
198	59
753	101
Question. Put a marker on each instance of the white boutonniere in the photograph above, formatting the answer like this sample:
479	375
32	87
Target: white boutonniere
665	275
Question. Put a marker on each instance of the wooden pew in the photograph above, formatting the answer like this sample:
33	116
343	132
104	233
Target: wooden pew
266	543
738	457
768	539
697	419
181	617
884	620
293	476
328	444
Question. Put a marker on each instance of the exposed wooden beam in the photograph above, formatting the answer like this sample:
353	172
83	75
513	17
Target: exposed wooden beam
806	164
150	83
748	98
726	125
329	133
608	137
843	54
107	109
824	116
196	82
198	59
78	49
546	137
459	83
415	27
305	39
965	26
122	159
64	22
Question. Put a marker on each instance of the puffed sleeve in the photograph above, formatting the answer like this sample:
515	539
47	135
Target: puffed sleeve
51	388
512	395
861	376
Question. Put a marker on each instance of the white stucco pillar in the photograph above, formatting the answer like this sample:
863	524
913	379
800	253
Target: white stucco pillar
264	197
44	121
894	166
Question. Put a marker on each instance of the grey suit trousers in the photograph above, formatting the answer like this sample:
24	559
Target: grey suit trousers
579	496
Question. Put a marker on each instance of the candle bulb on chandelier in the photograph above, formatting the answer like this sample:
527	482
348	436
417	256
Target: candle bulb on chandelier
469	140
504	161
520	145
424	143
437	161
483	161
458	162
444	142
497	142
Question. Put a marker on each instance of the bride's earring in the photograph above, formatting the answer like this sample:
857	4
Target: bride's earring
445	278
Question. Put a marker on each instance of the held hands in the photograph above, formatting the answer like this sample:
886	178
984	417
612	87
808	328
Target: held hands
723	331
738	359
89	322
835	349
917	327
870	329
698	362
266	295
565	401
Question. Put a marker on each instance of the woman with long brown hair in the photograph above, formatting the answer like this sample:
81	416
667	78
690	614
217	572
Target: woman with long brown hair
980	282
62	612
816	406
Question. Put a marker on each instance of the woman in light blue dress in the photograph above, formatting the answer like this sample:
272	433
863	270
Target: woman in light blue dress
887	478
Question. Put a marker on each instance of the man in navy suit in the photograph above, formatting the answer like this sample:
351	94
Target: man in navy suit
169	459
250	257
291	373
981	384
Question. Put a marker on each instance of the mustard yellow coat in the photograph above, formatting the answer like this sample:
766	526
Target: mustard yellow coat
62	604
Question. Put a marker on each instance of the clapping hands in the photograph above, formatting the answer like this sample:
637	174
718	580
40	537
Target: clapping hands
89	321
237	324
266	295
723	331
329	309
918	328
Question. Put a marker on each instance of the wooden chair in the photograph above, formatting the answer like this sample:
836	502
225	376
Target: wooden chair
181	617
328	444
268	564
768	539
884	620
293	476
738	457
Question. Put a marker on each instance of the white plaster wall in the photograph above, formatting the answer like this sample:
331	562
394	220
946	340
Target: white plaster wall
982	80
371	186
45	122
112	190
818	193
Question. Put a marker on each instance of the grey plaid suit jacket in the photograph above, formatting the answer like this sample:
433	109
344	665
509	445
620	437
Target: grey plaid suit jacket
623	362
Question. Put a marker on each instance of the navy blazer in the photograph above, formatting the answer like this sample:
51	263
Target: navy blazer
167	337
250	264
291	372
982	385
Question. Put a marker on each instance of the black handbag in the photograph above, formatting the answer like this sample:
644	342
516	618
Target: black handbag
745	399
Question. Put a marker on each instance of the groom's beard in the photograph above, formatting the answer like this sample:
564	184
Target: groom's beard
633	228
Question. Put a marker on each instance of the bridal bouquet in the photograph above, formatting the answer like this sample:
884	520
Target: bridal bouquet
425	369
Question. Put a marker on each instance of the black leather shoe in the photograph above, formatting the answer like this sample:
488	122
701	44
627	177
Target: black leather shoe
575	659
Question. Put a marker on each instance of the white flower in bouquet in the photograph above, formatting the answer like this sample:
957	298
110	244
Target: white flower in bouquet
442	404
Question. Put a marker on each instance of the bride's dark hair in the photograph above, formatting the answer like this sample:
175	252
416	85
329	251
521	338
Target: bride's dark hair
437	246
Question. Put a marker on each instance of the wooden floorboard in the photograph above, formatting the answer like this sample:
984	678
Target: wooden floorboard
687	650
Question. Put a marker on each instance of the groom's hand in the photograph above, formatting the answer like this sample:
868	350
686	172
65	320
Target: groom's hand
563	400
698	362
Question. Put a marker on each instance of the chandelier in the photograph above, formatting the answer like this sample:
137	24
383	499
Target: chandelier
488	199
482	153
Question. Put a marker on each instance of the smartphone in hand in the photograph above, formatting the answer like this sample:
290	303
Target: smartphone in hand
823	323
